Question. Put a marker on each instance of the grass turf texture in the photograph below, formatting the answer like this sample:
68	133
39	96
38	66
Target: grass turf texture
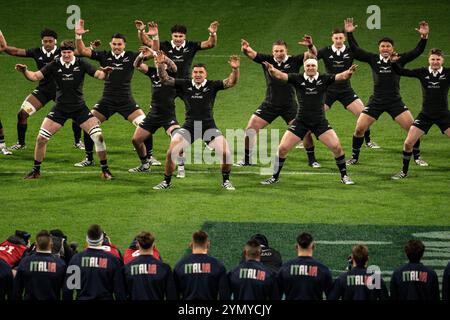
74	198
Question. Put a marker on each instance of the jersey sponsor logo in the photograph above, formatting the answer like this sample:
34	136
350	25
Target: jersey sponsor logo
385	69
143	268
415	276
192	268
197	95
339	62
42	266
178	57
250	273
67	77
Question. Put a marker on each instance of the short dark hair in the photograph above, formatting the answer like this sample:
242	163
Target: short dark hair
304	240
43	239
253	249
94	232
280	43
386	39
67	45
199	65
436	51
145	240
49	33
178	28
337	30
262	239
119	36
414	250
360	254
200	238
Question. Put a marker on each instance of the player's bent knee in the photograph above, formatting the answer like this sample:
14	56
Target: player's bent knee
96	135
138	120
27	108
44	135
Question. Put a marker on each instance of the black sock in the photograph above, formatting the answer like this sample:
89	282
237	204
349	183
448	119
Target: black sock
367	136
416	150
279	162
37	166
167	178
104	165
225	175
356	146
149	146
2	139
144	159
76	132
21	131
311	155
247	156
340	162
406	159
89	146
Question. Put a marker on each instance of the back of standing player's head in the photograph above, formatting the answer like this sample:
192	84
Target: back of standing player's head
360	255
49	33
305	241
43	240
145	240
200	239
414	250
178	28
252	250
94	236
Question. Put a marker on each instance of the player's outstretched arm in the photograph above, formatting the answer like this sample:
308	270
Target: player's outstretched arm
359	53
160	65
153	34
423	30
346	74
146	53
415	73
29	75
247	50
233	78
212	40
80	47
277	74
171	66
13	51
308	42
143	37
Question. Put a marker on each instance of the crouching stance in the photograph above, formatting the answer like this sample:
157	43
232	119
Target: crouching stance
311	88
68	72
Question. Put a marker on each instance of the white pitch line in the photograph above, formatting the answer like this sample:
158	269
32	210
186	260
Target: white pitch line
187	172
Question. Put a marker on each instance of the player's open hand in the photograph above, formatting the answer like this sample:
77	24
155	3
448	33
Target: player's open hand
95	44
244	45
394	57
268	66
349	26
139	25
423	29
107	70
234	61
160	57
79	28
152	29
352	68
213	26
21	67
306	41
147	52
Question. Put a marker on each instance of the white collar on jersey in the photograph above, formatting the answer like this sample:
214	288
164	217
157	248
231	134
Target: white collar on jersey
199	86
43	251
435	73
49	53
283	61
338	51
174	46
67	65
310	79
119	56
383	59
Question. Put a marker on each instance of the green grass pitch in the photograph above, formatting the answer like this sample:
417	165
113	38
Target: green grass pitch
308	199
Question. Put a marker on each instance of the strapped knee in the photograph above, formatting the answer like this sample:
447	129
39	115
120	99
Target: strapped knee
96	135
138	120
28	108
45	134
